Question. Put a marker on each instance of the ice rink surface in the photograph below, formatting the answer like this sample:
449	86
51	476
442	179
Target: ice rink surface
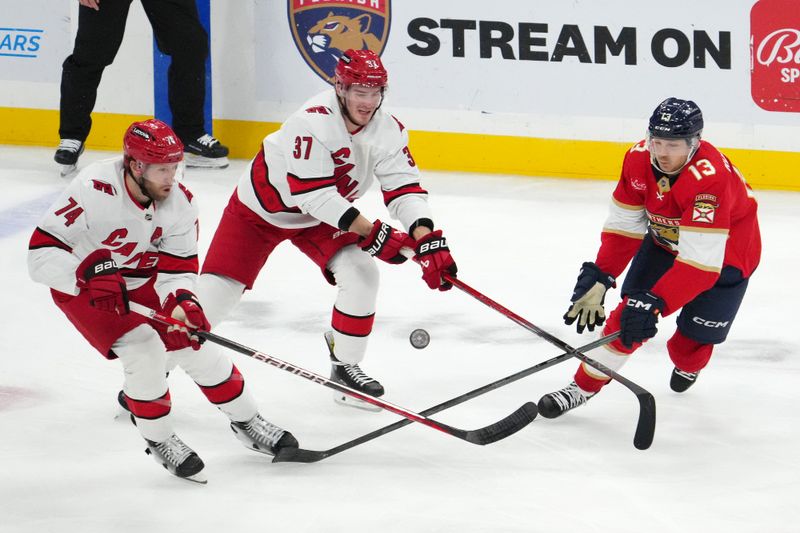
725	455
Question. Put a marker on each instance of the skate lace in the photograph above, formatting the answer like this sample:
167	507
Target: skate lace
569	397
174	450
691	376
207	140
264	432
357	375
71	145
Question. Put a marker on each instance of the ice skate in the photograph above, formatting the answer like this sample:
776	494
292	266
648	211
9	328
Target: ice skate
353	377
205	152
262	436
681	381
67	154
557	403
177	458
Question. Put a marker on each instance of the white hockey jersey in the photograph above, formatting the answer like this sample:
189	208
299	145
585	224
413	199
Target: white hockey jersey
312	169
95	211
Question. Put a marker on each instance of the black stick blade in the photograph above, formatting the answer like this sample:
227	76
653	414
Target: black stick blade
646	428
298	455
505	427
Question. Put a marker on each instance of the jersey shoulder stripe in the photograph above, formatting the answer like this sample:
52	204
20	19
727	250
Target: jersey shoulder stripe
43	239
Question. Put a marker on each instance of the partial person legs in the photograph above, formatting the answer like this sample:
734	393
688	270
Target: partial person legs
96	44
180	35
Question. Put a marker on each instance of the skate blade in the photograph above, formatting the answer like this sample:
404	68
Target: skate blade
198	161
199	478
66	170
349	401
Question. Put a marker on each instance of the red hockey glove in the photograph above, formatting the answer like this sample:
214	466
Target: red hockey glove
98	274
384	242
433	255
183	306
639	317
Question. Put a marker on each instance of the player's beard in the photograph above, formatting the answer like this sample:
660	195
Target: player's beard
153	191
149	189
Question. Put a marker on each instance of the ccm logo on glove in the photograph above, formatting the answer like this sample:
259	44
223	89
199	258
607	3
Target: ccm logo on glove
638	304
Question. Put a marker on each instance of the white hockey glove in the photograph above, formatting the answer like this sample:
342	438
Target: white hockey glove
588	297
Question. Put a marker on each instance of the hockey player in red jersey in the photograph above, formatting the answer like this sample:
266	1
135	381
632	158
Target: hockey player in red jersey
703	246
124	230
301	186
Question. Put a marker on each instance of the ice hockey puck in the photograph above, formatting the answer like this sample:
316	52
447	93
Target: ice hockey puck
419	339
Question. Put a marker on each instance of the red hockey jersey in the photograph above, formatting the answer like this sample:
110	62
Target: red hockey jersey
706	217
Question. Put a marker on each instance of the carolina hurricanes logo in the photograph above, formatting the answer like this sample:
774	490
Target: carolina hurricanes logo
323	29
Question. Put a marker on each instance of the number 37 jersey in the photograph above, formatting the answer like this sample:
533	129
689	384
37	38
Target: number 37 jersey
312	169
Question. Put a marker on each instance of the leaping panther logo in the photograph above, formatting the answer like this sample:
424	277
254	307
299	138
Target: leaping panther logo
323	32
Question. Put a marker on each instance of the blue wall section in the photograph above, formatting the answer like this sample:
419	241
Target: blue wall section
161	65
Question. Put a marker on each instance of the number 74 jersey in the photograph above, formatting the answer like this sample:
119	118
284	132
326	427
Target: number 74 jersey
96	211
706	216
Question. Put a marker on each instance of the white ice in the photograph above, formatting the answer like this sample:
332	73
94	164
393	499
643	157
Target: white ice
725	455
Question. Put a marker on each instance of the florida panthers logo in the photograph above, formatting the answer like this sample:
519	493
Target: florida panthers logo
323	29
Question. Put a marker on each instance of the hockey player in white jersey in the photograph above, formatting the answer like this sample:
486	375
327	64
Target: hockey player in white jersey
125	230
301	186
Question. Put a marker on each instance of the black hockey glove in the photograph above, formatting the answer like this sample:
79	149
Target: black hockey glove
639	317
588	297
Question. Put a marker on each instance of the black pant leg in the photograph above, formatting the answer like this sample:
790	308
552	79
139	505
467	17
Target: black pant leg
96	44
180	35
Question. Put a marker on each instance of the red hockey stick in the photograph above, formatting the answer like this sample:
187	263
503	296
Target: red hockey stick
487	435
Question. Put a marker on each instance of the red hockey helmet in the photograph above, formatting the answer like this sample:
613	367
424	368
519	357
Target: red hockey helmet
361	67
152	141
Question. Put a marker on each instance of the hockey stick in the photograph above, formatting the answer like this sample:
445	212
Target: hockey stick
312	456
646	426
487	435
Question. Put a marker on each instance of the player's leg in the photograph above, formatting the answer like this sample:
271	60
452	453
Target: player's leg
356	276
96	44
147	397
239	250
224	386
649	264
702	323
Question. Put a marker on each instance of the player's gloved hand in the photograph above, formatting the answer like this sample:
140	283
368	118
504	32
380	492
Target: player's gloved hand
385	242
588	297
639	317
183	306
434	257
99	276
